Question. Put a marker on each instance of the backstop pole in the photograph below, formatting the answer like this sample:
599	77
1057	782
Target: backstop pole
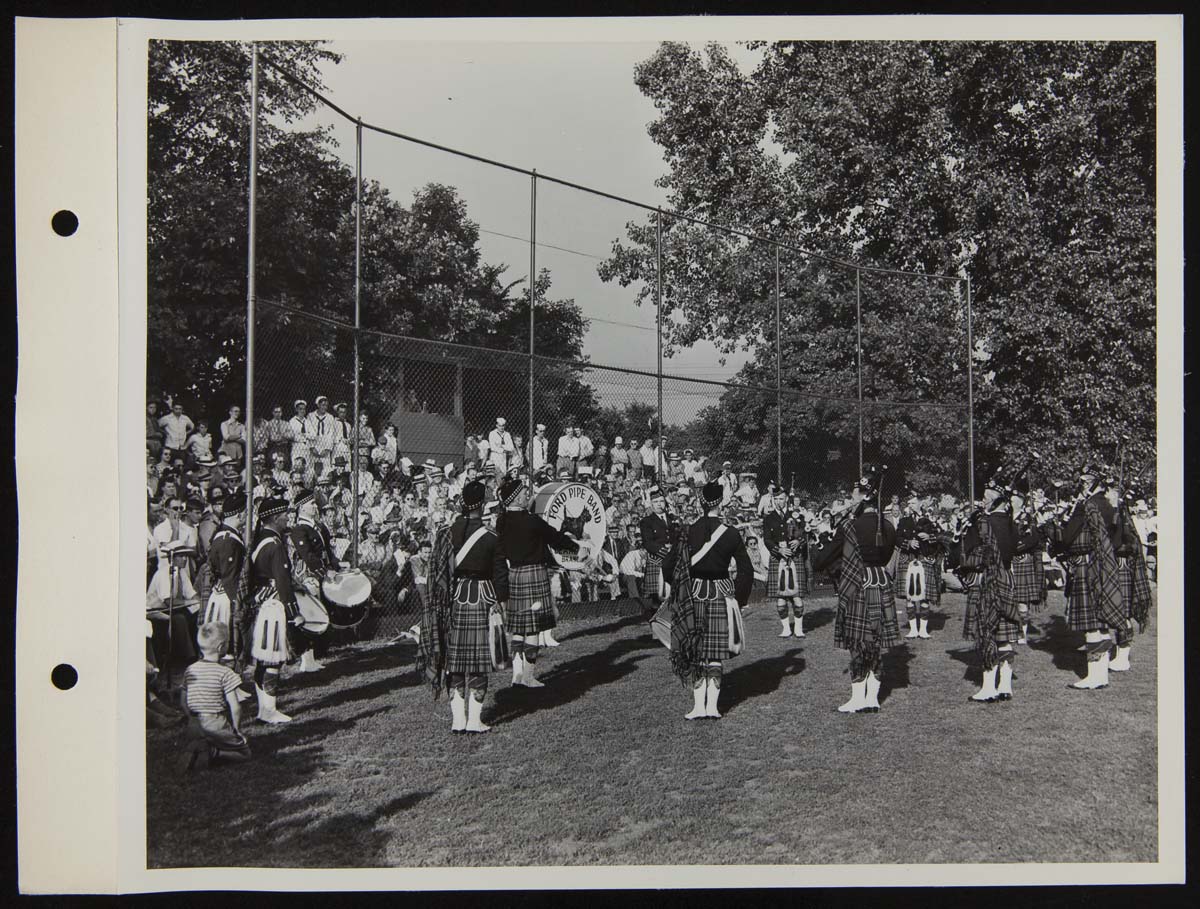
778	380
532	301
658	322
354	465
970	400
858	359
250	269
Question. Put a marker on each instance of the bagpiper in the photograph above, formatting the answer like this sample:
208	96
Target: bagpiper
1094	603
525	541
468	582
274	604
657	532
865	621
1029	574
992	620
1134	581
706	606
788	572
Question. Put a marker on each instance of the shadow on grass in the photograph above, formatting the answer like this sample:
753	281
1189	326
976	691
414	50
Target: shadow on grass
608	627
817	618
894	670
352	662
1056	638
404	677
752	680
937	620
571	680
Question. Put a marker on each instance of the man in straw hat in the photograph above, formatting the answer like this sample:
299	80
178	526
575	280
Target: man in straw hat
865	621
705	619
468	581
274	605
525	543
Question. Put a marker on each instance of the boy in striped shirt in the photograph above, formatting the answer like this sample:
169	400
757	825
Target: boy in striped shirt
210	696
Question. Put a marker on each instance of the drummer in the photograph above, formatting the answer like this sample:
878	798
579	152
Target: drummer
274	604
311	566
226	553
525	542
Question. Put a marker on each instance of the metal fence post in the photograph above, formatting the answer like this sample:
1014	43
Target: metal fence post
858	360
778	380
658	323
532	302
970	400
354	465
250	270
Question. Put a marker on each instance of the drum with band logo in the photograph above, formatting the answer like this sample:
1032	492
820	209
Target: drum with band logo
577	510
347	595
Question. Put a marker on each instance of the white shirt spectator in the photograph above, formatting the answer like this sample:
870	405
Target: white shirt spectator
342	431
539	452
501	448
201	446
729	485
177	428
321	429
634	563
689	469
301	439
585	447
568	447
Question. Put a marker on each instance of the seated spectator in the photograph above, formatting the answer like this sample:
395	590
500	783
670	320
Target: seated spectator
200	445
211	698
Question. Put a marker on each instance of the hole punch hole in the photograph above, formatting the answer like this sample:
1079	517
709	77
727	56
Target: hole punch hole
64	676
64	223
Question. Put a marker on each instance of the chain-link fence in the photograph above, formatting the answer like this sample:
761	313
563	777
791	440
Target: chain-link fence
838	365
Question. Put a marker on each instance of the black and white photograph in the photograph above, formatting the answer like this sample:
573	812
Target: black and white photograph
653	450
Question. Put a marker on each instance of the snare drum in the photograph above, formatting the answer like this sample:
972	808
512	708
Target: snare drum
348	595
316	619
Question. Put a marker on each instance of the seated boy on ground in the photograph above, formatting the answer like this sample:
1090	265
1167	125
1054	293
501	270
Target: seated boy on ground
210	696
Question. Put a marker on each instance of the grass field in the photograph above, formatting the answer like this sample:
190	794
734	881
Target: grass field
600	767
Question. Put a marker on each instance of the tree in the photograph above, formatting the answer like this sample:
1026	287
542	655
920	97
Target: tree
1029	167
423	276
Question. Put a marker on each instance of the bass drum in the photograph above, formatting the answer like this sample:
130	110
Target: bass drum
576	510
316	619
347	595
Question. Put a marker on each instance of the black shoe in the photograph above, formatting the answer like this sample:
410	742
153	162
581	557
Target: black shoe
1004	697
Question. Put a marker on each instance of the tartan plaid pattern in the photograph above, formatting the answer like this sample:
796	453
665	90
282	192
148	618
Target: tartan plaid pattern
1029	578
686	630
1135	591
933	581
868	619
708	598
651	576
803	569
1093	586
991	615
898	584
467	646
529	584
435	615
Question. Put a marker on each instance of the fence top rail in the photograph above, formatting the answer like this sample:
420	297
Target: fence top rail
678	215
470	350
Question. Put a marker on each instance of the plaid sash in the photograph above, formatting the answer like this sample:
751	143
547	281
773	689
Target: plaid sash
435	615
1103	581
687	629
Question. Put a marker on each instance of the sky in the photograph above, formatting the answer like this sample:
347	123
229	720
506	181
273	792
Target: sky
570	110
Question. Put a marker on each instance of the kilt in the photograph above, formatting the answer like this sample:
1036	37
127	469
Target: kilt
870	619
898	579
269	642
218	607
1029	578
933	581
1125	577
467	648
652	578
709	598
529	586
803	577
1082	614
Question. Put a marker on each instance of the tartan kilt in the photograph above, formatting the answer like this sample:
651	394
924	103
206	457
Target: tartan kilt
1082	614
899	588
803	577
933	581
1125	578
651	577
467	648
871	617
973	587
527	585
709	598
1029	578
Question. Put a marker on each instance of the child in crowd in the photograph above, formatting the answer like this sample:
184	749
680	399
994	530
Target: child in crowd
210	696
